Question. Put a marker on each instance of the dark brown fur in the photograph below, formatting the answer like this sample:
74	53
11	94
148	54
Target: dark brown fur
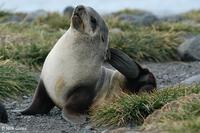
138	78
41	104
3	114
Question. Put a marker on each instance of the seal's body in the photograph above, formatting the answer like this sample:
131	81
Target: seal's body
70	63
73	76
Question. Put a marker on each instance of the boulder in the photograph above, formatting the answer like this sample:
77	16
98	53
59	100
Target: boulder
145	18
13	19
173	18
192	80
121	130
190	49
35	15
68	11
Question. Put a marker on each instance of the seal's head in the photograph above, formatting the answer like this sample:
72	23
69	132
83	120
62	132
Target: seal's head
88	22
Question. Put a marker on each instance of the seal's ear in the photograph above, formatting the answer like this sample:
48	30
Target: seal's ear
102	38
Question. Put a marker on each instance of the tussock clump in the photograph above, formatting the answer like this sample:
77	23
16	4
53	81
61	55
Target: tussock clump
29	46
193	15
145	43
182	115
54	20
177	27
135	108
15	79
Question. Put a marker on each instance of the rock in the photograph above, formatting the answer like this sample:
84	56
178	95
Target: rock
145	19
190	49
35	15
174	18
68	11
192	80
13	19
120	130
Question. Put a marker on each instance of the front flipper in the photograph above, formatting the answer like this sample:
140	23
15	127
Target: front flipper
123	63
138	79
3	114
78	102
41	104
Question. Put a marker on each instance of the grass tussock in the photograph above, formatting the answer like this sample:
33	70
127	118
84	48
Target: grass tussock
135	108
4	13
182	115
55	21
145	43
28	44
193	15
157	42
130	12
15	79
177	27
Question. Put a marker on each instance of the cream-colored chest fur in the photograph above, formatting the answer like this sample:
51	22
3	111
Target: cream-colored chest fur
69	63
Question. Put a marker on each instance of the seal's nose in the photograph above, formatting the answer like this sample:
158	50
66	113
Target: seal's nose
79	9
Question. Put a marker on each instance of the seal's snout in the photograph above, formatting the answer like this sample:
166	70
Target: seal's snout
78	17
79	9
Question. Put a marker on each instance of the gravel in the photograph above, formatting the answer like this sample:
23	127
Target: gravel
167	74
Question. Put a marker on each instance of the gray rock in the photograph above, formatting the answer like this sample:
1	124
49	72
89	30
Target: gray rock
120	130
192	80
35	15
68	11
174	18
190	49
13	19
145	19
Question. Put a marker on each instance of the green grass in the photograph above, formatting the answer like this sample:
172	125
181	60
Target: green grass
55	21
15	79
145	43
178	27
4	13
135	108
130	12
182	115
189	116
28	44
193	15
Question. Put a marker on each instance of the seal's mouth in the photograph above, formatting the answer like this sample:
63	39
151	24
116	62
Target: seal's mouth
77	20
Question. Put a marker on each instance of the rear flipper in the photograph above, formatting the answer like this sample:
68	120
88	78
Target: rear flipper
41	104
138	78
77	104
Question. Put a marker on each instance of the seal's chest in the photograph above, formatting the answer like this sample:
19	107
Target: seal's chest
66	67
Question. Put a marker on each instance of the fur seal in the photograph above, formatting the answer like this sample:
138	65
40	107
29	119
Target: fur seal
73	76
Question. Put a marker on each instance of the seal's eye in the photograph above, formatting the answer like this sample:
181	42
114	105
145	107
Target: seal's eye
93	22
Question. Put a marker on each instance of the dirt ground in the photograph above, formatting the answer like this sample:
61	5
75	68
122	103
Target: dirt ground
167	74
